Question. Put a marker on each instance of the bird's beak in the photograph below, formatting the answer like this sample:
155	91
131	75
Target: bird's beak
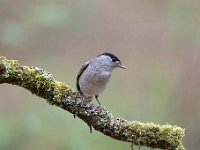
122	66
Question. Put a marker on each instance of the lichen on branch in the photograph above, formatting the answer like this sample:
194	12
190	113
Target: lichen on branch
43	84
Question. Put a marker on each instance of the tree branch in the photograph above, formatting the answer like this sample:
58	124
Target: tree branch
42	83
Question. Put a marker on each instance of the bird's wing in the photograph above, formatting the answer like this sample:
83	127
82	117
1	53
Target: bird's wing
79	74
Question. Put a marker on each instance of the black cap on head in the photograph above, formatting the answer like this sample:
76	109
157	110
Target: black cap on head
112	56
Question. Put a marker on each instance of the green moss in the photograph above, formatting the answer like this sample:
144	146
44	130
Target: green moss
37	80
173	134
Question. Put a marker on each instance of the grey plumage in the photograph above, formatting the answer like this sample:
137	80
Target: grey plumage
95	74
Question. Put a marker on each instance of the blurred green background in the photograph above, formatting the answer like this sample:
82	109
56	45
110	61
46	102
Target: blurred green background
159	41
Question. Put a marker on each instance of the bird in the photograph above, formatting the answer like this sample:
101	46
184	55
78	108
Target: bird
95	74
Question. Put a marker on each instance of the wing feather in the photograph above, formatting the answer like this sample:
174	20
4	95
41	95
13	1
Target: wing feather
79	74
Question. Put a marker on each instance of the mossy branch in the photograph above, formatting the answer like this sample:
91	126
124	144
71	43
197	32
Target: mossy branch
42	83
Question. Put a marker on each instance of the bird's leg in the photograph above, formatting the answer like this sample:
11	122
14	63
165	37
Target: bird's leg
96	96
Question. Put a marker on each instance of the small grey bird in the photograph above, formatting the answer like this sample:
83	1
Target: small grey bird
95	74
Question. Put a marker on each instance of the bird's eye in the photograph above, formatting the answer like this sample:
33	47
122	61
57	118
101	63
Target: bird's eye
115	60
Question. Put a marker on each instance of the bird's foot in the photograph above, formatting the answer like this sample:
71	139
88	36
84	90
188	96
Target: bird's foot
96	96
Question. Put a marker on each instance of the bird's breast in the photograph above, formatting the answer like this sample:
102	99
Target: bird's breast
94	83
100	79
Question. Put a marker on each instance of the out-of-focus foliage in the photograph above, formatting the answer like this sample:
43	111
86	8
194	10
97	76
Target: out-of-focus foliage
184	20
51	15
157	40
13	33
